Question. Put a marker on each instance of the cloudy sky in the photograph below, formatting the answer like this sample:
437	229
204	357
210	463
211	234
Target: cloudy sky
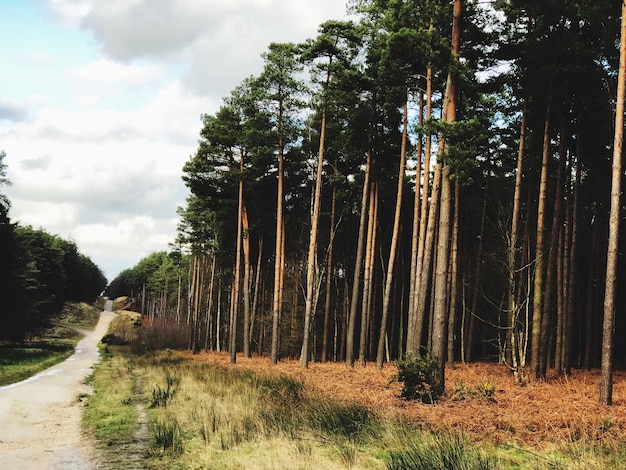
100	105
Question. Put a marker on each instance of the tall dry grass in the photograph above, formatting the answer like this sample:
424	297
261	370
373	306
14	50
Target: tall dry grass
220	417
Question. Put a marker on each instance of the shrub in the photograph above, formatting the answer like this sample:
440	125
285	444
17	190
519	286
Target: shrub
161	397
348	420
167	433
420	378
155	335
438	452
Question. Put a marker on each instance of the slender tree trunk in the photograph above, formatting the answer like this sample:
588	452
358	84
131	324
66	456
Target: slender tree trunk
366	305
561	293
425	278
551	278
329	272
179	296
416	227
573	272
311	271
478	271
278	261
443	245
394	243
358	263
257	289
564	291
608	325
593	273
281	286
208	340
454	254
247	332
440	304
234	309
518	359
416	316
539	255
218	320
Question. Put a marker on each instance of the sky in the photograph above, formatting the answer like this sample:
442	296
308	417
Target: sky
101	104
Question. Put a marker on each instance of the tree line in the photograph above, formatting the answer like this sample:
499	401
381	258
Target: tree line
434	176
39	272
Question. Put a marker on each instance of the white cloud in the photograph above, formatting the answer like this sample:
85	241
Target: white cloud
101	160
108	72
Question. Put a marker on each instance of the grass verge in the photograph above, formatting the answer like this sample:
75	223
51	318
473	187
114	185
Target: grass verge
55	344
203	415
207	415
21	362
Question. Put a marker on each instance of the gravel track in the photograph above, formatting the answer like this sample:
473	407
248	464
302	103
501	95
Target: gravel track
40	417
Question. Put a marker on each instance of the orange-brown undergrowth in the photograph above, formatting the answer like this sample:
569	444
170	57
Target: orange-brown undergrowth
556	410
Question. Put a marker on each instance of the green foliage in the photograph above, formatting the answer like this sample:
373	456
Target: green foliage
486	389
419	378
39	273
5	204
20	363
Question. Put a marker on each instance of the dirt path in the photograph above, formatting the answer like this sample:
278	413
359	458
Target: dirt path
40	416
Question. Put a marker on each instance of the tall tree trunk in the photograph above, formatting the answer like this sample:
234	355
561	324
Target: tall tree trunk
278	261
551	278
257	289
518	357
208	340
478	272
358	262
608	325
573	272
394	243
247	335
416	316
561	293
427	265
179	295
443	245
311	270
539	255
440	302
234	309
454	255
218	320
370	255
589	356
416	225
329	271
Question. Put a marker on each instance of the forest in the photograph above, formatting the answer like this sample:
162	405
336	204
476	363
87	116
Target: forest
434	177
39	272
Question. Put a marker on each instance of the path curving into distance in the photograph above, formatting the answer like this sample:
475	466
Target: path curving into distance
40	416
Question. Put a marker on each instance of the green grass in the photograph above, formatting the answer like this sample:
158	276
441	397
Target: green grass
224	418
218	417
112	415
21	362
81	315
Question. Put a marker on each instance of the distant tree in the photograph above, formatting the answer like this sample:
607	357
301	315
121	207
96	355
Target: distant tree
5	204
14	311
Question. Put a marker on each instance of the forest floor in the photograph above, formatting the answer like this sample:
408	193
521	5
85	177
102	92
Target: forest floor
481	401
